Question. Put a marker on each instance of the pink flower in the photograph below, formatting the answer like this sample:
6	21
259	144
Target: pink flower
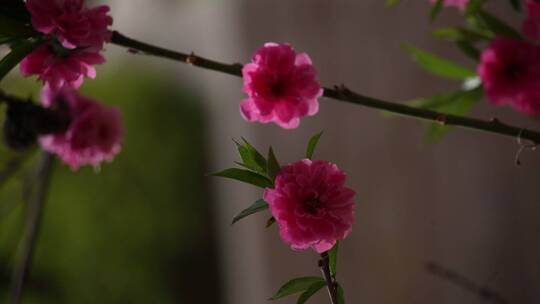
281	85
461	4
57	67
71	22
94	133
510	73
311	205
531	25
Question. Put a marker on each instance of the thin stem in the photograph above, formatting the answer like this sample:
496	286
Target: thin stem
341	93
331	286
33	221
484	293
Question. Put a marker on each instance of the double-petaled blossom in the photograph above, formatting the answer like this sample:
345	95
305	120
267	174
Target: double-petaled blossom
281	85
510	73
58	67
71	22
76	35
461	4
94	133
311	204
531	25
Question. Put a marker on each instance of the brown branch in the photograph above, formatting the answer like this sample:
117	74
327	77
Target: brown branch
483	292
331	285
31	231
340	93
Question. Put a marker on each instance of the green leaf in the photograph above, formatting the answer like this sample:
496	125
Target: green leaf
460	33
312	144
251	158
340	295
459	104
391	3
245	176
436	9
18	52
272	165
296	285
468	49
496	25
257	206
332	257
473	7
439	66
310	292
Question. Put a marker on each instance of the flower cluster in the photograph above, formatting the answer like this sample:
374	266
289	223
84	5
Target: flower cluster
510	73
510	68
94	132
311	204
75	37
281	85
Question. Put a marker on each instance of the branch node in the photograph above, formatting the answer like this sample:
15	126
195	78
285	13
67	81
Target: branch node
191	58
342	90
442	119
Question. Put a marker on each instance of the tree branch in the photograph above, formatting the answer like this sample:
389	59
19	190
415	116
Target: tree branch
340	93
484	293
33	221
331	285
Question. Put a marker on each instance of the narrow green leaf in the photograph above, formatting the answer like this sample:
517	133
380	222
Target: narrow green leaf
296	285
310	292
468	49
473	7
312	144
272	165
251	158
259	159
245	176
340	295
461	104
391	3
460	33
496	25
436	9
332	257
18	52
439	66
257	206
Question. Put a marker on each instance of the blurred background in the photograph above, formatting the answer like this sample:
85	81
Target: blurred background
151	227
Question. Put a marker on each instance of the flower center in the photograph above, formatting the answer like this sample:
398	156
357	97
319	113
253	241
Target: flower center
514	71
278	88
311	205
59	49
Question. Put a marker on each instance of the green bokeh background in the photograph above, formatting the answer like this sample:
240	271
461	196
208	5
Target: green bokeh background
137	230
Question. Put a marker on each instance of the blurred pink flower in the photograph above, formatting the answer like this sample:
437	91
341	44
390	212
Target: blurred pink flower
461	4
510	73
71	22
281	85
94	133
57	67
531	25
311	204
